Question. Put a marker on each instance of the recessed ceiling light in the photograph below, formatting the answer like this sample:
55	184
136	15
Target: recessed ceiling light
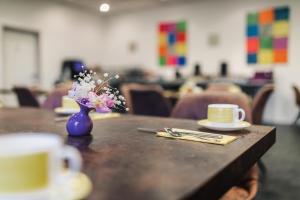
104	7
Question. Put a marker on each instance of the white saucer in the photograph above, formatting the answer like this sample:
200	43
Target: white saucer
77	187
219	127
66	111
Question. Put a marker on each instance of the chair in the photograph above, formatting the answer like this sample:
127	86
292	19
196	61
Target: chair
259	103
225	87
297	99
54	98
146	100
25	97
195	107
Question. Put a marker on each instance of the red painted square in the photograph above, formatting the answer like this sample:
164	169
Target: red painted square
163	27
252	45
181	37
172	60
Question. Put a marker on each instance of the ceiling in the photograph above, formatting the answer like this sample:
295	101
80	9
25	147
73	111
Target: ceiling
123	5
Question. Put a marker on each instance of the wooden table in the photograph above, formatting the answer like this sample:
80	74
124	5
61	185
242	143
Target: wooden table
126	164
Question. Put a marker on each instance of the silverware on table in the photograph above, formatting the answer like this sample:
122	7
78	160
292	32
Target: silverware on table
179	132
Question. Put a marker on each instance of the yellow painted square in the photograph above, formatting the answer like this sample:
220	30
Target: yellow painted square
180	48
163	38
280	28
265	56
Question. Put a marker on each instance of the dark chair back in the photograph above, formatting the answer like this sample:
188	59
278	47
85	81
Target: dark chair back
259	102
25	97
149	103
297	95
146	100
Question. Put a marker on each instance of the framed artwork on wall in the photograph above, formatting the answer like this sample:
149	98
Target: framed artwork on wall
267	36
172	44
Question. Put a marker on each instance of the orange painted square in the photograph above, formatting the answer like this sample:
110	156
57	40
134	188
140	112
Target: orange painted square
252	45
266	16
280	56
162	50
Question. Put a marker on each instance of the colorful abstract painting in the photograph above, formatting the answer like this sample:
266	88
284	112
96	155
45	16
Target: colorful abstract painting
267	36
172	45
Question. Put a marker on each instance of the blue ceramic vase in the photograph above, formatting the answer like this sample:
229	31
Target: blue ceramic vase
80	124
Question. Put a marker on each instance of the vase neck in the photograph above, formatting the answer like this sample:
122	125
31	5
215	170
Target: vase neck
84	108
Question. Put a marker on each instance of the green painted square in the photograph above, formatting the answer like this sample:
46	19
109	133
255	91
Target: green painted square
266	42
252	18
162	61
266	30
181	26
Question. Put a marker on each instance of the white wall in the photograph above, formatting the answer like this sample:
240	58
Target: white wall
72	32
225	18
65	32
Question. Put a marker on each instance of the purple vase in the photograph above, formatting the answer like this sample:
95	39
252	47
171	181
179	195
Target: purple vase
80	124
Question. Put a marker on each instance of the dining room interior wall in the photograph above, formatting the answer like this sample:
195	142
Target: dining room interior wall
224	19
68	31
64	31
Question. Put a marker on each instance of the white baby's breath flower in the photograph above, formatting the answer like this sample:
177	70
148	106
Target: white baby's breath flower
117	76
127	109
87	79
105	74
99	81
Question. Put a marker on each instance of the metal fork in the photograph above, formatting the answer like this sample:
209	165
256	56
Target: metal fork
178	134
206	135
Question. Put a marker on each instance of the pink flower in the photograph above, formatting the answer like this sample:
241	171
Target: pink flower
109	102
103	109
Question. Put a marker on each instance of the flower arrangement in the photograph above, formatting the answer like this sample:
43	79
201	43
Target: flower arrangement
94	91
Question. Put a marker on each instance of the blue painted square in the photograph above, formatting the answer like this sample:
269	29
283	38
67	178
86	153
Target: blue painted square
282	13
171	38
252	58
252	30
181	61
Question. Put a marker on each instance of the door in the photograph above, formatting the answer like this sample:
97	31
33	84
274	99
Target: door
21	57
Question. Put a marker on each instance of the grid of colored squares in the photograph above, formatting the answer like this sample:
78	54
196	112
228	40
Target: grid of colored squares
267	36
172	44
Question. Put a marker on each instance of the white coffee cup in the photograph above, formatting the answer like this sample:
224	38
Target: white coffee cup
225	114
32	164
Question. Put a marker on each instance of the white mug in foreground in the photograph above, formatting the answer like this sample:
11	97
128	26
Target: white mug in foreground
227	114
31	164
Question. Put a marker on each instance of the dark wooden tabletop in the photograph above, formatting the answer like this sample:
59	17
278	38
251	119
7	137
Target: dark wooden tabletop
126	164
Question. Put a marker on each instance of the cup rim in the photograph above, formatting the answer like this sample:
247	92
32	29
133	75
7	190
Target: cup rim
222	105
23	143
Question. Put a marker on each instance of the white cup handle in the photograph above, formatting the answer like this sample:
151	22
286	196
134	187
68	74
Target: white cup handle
74	159
243	114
